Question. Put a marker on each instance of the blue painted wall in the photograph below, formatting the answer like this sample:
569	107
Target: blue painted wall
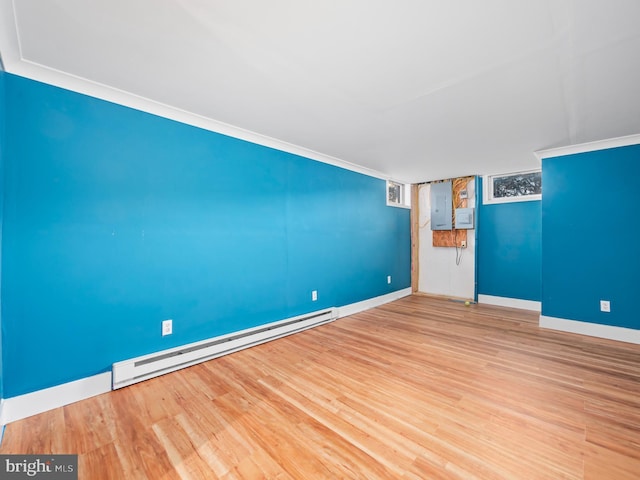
2	142
116	219
589	228
509	249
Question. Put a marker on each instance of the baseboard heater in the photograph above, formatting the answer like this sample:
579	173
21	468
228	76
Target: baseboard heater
142	368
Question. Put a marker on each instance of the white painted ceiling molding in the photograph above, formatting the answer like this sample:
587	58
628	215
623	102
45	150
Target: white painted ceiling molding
589	146
51	76
409	90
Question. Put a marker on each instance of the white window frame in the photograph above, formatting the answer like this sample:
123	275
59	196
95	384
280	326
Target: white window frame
487	189
405	194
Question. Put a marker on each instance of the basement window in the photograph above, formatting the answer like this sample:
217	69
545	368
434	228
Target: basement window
512	187
398	194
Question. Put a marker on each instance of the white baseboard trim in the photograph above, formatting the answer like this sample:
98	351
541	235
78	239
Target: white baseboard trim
23	406
354	308
510	302
610	332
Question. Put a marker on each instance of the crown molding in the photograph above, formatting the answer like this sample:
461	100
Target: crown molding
15	64
589	146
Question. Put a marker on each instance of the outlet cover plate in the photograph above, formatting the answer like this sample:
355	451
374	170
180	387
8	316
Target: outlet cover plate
167	327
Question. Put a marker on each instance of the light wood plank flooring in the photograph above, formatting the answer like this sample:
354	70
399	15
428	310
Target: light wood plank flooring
420	388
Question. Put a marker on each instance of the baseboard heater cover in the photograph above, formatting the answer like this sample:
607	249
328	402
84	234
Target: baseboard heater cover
128	372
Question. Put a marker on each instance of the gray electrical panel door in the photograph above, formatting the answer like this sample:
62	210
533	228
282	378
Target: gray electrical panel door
441	206
464	218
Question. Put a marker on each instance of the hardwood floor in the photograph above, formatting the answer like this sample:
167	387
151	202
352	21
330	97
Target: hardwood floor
417	389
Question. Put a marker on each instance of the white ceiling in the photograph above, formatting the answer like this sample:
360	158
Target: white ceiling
414	89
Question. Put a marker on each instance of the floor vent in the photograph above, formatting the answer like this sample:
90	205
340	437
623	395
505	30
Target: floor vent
142	368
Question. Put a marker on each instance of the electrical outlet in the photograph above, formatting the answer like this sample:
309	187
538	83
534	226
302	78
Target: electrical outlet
314	295
167	327
389	279
463	244
605	306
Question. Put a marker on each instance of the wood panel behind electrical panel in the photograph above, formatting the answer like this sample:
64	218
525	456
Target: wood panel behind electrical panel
453	237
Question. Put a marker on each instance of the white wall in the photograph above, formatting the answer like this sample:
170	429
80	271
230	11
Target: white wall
438	272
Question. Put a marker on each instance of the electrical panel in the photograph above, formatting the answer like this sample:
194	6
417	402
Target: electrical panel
464	218
441	206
